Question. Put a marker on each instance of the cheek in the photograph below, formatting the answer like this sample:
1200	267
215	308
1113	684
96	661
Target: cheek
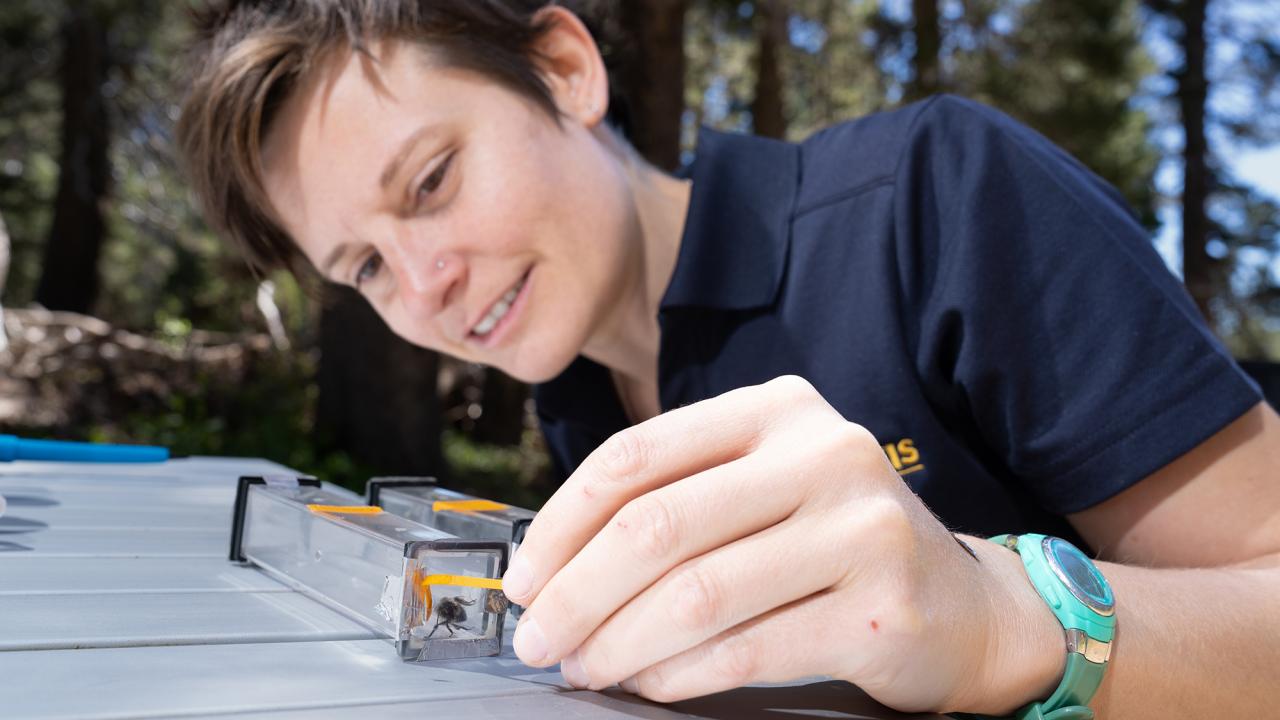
511	192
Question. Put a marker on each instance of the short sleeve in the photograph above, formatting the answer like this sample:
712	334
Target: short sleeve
1042	317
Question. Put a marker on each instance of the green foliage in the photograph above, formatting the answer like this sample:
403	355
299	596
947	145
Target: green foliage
1242	72
515	475
829	73
158	260
28	137
1069	68
271	415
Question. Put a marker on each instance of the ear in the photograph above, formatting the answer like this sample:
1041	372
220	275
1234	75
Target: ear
571	65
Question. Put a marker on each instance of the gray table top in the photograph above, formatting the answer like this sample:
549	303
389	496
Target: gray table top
116	601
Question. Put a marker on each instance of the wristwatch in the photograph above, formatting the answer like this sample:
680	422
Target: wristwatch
1083	602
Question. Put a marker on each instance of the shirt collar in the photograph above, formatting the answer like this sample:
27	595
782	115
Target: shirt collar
734	246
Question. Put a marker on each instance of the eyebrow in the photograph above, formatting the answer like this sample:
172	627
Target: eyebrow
388	174
397	160
332	258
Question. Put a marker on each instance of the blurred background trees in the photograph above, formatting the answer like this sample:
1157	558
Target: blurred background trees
162	335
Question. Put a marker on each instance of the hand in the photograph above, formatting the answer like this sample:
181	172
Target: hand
759	537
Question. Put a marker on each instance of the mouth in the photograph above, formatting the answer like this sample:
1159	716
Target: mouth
489	327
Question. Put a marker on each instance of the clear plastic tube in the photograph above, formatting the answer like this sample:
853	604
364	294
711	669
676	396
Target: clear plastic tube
465	516
434	594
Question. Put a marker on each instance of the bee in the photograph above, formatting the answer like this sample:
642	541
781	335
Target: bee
496	602
450	614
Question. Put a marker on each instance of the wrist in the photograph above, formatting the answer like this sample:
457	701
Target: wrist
1027	656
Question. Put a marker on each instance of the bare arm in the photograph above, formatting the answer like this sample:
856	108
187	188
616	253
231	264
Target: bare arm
1195	552
664	527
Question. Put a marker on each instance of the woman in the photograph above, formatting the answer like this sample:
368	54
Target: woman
926	318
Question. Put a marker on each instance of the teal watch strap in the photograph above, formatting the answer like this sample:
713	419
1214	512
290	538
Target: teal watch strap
1082	601
1080	673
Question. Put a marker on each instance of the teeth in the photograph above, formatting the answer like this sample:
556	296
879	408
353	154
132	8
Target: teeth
485	325
498	310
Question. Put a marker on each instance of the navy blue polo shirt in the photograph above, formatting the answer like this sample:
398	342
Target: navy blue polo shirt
987	307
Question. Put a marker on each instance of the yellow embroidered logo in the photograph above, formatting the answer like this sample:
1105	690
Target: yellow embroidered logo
904	456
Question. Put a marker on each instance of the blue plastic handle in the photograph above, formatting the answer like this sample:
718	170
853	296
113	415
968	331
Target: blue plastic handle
16	448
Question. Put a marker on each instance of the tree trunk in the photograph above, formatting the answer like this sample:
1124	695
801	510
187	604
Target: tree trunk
1193	88
654	80
767	114
378	398
928	44
69	276
828	77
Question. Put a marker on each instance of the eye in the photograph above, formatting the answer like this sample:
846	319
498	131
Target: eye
368	269
434	180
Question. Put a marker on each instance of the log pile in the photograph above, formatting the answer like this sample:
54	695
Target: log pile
65	372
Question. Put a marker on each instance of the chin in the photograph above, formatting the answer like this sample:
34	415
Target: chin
541	366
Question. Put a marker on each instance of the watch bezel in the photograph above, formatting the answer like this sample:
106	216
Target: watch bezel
1051	558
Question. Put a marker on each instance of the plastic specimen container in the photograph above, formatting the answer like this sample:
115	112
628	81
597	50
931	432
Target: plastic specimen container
433	594
465	516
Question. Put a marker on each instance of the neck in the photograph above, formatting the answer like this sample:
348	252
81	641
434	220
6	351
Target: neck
628	343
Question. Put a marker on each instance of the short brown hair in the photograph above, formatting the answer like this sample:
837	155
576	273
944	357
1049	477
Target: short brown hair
251	55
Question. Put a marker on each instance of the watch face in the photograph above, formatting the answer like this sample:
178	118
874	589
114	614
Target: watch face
1080	576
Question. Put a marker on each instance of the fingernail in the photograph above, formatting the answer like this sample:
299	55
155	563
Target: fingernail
630	686
529	642
573	671
518	580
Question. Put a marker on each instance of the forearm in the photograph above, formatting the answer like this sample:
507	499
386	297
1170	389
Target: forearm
1193	643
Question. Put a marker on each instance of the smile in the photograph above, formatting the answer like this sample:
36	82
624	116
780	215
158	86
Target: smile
499	310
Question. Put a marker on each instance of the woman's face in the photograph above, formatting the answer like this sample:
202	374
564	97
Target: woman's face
472	222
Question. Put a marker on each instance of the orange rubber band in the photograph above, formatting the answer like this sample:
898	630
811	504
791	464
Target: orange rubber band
467	505
462	581
346	509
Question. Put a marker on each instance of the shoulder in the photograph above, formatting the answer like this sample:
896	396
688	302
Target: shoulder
947	124
855	154
946	137
970	145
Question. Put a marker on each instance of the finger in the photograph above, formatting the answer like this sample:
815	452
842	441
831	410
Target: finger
705	597
775	647
859	629
654	453
647	538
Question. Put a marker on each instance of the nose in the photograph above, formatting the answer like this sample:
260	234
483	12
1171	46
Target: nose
425	281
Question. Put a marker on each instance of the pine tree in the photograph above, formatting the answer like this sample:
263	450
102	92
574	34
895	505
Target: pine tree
1229	53
1070	69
